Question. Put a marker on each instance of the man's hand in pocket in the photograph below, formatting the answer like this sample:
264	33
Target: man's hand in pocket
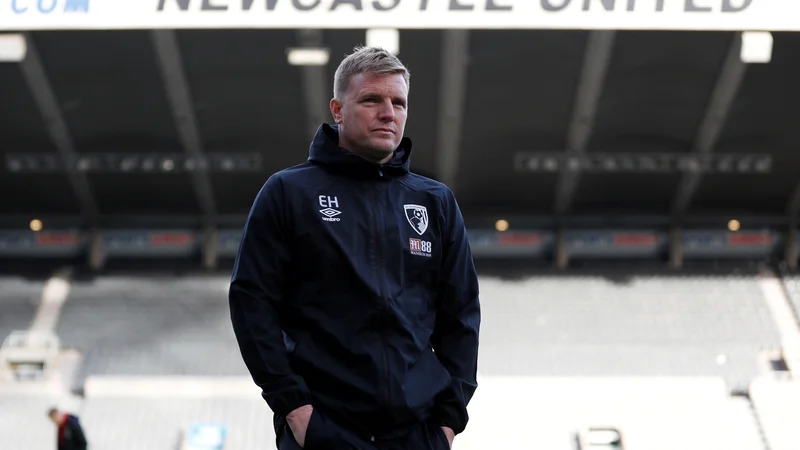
450	435
298	423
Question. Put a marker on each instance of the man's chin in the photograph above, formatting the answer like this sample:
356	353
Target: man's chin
377	155
381	148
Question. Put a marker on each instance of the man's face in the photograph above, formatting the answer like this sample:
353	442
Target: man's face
372	115
54	417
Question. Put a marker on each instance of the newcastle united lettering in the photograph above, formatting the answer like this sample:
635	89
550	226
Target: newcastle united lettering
690	15
631	5
330	5
695	6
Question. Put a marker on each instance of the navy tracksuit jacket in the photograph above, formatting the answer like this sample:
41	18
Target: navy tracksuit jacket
349	276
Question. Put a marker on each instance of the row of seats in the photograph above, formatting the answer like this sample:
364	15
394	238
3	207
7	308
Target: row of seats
573	324
151	326
645	325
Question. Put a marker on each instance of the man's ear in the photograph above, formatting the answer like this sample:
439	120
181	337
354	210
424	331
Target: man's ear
336	110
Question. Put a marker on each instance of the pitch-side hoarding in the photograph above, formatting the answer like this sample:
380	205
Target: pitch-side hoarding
768	15
581	244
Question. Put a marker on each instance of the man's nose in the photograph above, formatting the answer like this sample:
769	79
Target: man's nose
387	110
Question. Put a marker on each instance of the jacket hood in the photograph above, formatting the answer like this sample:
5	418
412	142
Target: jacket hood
325	150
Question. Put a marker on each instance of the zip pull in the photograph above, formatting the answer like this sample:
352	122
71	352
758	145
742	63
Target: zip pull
380	173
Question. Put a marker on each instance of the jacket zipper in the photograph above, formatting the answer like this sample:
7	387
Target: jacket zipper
379	247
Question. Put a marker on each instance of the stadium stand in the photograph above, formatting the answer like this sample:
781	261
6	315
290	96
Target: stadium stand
151	326
648	324
17	303
654	354
545	325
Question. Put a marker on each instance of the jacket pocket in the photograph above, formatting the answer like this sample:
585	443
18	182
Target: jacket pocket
311	430
324	434
321	433
445	443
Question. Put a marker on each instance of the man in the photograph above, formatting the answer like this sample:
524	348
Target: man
351	272
70	433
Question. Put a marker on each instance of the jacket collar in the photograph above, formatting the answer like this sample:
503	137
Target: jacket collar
325	150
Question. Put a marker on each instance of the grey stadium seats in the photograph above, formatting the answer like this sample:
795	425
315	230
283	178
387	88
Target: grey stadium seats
151	326
644	325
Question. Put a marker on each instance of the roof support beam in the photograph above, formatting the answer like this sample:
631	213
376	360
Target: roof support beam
792	210
676	247
596	59
180	100
793	207
97	251
317	103
210	250
46	102
790	252
562	254
452	92
728	83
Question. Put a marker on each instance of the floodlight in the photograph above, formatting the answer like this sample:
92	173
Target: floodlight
756	47
385	38
12	47
308	56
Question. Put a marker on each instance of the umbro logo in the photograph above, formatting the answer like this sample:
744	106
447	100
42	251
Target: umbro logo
327	204
330	212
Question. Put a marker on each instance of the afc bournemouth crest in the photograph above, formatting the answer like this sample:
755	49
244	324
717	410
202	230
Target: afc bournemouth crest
418	217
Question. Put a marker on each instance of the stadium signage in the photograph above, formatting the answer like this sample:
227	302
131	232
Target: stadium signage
14	243
581	244
722	244
228	242
774	15
615	244
643	162
511	243
162	243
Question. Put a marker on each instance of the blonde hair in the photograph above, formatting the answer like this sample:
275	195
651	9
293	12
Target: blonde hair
374	60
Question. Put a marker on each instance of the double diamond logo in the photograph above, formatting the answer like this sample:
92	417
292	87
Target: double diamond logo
330	212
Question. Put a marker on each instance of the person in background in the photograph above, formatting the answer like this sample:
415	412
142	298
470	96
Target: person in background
70	434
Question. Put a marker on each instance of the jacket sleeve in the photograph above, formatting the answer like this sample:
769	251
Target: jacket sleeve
78	437
71	438
256	291
458	316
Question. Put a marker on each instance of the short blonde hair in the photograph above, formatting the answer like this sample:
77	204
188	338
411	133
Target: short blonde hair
374	60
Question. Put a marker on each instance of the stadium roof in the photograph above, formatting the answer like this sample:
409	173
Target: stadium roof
479	100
